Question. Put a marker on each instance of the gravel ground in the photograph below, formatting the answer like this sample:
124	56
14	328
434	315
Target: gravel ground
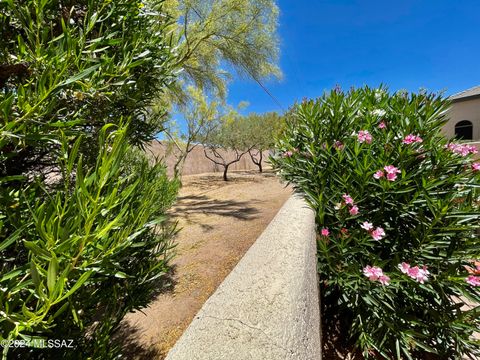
219	221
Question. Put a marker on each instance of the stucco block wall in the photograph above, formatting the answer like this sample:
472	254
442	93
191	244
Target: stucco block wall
268	306
464	110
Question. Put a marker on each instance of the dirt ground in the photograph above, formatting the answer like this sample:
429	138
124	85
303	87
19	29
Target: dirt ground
220	221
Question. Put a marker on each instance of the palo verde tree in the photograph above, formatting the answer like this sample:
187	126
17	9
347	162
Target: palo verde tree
211	33
200	116
83	236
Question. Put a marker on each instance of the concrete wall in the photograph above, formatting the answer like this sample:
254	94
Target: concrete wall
197	163
464	110
268	307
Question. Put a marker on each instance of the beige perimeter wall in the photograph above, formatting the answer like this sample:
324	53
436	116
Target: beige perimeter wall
197	163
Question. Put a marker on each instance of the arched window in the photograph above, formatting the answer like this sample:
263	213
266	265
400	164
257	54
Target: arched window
464	130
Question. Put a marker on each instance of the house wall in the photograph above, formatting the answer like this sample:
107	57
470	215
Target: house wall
464	110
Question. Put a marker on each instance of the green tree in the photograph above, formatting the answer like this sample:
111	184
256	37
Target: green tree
200	116
262	132
212	33
227	143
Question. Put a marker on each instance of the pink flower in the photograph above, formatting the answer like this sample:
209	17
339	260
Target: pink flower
348	199
384	280
404	267
392	172
382	125
372	272
473	280
287	154
367	226
391	177
378	233
409	139
325	232
379	174
422	275
472	149
375	273
416	273
364	136
353	210
413	271
476	166
390	169
462	149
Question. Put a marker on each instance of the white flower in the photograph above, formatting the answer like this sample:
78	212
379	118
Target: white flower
378	94
379	112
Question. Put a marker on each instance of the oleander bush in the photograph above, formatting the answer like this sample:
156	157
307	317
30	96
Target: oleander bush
397	212
87	252
84	236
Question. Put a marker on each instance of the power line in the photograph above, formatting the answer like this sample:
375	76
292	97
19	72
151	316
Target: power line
264	88
275	100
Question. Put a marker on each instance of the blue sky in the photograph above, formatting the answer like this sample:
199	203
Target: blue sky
405	44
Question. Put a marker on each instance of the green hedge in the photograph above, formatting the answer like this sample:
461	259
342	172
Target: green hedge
397	211
84	236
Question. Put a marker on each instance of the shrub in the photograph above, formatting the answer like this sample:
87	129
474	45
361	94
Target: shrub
396	210
88	252
83	238
76	66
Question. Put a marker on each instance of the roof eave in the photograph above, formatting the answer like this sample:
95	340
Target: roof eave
466	98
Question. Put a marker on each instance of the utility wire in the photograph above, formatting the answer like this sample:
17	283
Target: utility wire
264	88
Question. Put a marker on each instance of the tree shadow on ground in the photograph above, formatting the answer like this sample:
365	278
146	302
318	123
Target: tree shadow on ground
211	182
188	206
127	336
127	339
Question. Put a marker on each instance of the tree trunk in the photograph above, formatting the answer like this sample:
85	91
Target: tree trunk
254	159
225	173
178	167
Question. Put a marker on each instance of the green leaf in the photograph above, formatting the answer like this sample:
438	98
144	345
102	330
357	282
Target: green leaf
81	75
37	250
81	280
52	274
10	240
35	275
